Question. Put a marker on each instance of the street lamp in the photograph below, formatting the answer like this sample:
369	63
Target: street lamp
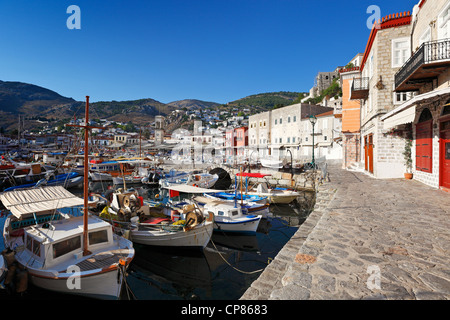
313	121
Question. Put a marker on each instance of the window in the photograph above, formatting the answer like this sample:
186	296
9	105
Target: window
443	24
66	246
281	140
400	52
98	237
295	118
234	213
34	246
426	36
293	139
288	140
400	97
220	213
325	138
281	120
371	66
275	121
289	119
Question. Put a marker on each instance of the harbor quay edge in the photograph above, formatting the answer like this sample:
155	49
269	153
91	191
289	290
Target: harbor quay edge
382	239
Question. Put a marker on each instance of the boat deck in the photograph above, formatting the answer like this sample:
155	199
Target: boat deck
102	260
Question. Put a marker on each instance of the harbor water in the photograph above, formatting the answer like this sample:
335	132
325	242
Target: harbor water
224	270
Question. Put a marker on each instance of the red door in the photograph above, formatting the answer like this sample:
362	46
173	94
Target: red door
368	153
445	154
424	146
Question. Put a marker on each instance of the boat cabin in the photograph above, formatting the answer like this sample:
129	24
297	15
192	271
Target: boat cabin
224	210
42	234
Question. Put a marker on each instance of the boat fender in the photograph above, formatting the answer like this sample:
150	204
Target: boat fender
21	281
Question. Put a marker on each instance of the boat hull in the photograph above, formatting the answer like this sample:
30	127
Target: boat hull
105	285
196	238
248	225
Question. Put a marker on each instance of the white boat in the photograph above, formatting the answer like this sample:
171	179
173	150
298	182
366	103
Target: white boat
275	195
201	180
272	163
230	218
248	207
59	251
150	225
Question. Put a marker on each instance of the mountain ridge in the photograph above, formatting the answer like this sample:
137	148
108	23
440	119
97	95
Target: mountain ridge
33	101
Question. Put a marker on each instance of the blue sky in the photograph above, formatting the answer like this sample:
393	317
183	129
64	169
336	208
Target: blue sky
167	50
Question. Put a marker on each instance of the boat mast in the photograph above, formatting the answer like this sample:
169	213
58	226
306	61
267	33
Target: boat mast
86	174
86	183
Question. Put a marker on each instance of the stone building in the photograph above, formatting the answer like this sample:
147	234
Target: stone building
427	74
386	51
282	128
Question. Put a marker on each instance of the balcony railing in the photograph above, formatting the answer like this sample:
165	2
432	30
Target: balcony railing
431	59
360	88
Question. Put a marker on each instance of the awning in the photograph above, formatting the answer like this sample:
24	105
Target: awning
402	117
22	202
405	113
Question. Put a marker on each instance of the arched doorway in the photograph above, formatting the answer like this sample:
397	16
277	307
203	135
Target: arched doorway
444	147
424	142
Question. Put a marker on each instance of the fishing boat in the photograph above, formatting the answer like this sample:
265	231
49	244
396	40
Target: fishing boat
275	195
248	207
106	170
231	196
230	218
67	180
201	180
51	245
151	225
16	174
60	251
271	163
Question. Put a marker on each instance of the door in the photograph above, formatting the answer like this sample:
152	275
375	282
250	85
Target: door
368	153
444	155
424	146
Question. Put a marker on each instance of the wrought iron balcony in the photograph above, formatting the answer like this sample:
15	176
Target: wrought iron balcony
360	88
426	64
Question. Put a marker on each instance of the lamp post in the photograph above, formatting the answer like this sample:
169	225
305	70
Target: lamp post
313	121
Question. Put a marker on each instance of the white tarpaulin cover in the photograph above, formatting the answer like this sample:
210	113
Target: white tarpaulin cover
21	202
190	189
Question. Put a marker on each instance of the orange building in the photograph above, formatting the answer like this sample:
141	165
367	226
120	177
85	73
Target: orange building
351	116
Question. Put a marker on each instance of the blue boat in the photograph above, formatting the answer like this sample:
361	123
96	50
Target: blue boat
66	180
239	196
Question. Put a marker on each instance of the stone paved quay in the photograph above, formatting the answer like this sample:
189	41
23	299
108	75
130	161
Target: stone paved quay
359	226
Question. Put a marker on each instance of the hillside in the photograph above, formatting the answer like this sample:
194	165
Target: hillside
267	100
193	104
40	105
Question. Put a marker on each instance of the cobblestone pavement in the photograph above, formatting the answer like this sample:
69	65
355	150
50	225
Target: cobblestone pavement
366	239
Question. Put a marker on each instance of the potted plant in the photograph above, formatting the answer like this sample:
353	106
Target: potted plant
407	154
